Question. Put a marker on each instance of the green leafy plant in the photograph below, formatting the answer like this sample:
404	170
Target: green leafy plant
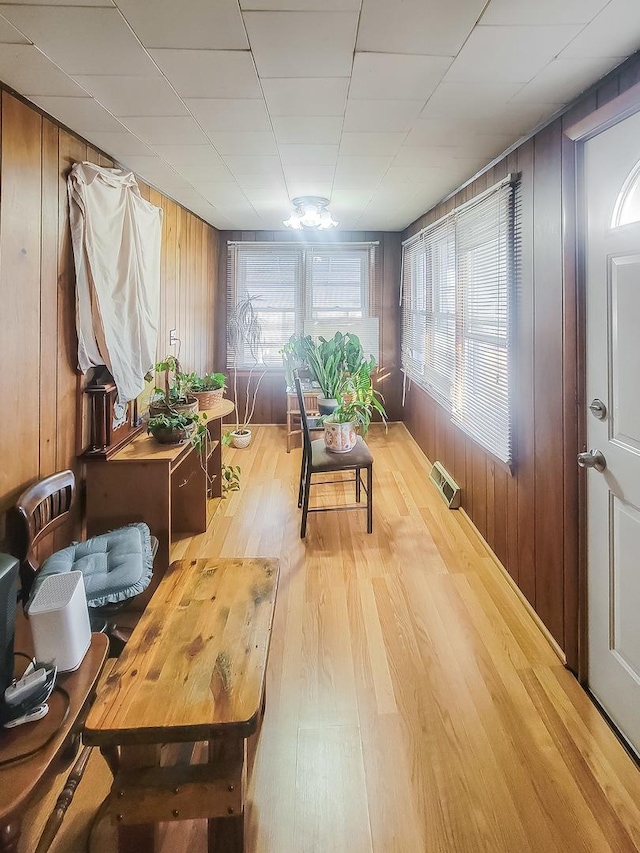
358	412
294	359
230	478
326	362
244	333
177	383
207	382
193	425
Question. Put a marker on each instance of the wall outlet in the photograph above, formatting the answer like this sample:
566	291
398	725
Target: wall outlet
173	337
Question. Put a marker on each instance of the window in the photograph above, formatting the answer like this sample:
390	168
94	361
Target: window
458	277
627	206
311	290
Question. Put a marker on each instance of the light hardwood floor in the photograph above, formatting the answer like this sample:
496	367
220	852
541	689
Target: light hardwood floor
413	705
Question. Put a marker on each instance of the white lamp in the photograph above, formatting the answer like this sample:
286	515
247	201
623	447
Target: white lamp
310	211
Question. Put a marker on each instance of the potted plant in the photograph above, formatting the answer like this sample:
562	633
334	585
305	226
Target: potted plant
244	335
175	397
294	360
349	419
208	389
178	427
326	362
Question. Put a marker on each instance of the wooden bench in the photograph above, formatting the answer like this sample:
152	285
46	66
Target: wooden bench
193	670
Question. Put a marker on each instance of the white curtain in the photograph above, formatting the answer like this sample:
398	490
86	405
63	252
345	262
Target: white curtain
116	237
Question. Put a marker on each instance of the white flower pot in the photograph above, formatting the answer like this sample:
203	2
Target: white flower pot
339	438
241	439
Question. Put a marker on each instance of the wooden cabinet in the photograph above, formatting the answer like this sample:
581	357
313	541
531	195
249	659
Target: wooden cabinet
294	427
167	486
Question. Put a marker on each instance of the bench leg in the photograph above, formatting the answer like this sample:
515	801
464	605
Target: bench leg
226	834
135	838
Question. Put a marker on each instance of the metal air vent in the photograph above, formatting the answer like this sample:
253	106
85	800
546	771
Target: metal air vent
446	485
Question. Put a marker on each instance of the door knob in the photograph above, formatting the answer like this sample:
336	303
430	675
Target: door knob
592	459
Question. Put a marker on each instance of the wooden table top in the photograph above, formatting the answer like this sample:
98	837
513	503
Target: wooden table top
195	663
17	781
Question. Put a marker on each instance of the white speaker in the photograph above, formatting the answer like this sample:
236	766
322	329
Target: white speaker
59	620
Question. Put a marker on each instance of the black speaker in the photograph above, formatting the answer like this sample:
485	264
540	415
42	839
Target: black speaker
8	597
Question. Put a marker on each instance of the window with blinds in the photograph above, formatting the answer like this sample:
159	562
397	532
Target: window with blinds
310	290
457	286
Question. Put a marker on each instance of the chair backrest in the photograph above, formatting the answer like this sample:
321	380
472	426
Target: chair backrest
306	435
41	508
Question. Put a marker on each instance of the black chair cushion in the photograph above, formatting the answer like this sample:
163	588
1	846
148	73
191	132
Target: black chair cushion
326	460
115	566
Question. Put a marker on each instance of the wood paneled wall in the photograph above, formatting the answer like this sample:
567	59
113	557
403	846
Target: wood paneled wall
530	517
271	402
42	428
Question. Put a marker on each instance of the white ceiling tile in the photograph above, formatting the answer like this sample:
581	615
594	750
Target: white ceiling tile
371	143
379	115
220	193
355	182
29	72
166	130
309	187
369	165
210	73
321	130
301	173
563	79
243	142
119	144
313	155
469	100
62	3
229	113
82	40
509	54
257	165
188	155
614	32
400	175
190	23
250	183
301	5
80	114
268	195
313	40
417	26
134	96
153	169
391	76
446	131
309	96
213	172
477	150
542	12
9	34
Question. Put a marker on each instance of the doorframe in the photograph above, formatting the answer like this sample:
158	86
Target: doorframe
575	341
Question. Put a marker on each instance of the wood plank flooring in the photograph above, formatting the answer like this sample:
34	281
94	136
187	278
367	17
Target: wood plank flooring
413	704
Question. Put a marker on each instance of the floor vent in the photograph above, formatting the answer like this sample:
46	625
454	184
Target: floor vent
446	485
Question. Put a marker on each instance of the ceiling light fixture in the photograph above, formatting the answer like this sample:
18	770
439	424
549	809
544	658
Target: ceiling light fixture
310	211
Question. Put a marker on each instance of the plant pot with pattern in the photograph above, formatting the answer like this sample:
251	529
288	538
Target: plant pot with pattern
342	426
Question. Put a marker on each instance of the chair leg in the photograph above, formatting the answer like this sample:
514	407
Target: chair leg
303	472
369	498
305	502
358	485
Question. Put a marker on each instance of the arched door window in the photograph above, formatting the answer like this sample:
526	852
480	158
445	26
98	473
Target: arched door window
627	206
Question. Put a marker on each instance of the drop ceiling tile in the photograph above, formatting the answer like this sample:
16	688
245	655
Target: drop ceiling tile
369	165
215	172
188	155
230	113
134	96
297	173
469	100
378	115
355	182
83	115
313	155
542	12
371	143
620	21
455	131
308	187
313	40
210	73
196	24
250	183
217	192
310	96
257	165
391	76
82	40
119	144
244	142
477	148
417	26
321	130
564	79
62	3
9	34
29	72
509	54
301	5
401	175
268	195
166	130
154	170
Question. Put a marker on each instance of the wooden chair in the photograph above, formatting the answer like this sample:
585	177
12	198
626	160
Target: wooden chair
317	460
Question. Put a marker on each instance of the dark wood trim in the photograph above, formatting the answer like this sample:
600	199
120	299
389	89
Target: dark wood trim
612	112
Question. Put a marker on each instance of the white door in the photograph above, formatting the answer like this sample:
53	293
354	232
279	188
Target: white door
612	198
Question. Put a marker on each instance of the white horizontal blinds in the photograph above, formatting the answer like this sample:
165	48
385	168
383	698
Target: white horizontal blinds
339	284
484	264
428	309
272	275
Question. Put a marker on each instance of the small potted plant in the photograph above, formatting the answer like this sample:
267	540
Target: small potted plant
175	397
244	335
326	362
178	427
348	419
208	389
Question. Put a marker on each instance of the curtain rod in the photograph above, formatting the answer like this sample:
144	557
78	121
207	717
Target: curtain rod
299	244
511	178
